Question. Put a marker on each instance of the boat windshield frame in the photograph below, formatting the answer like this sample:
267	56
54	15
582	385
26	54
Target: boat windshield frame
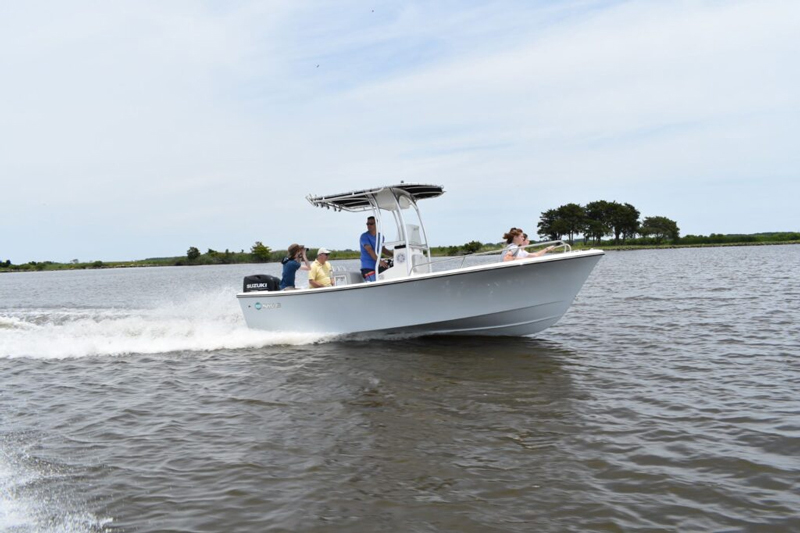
393	199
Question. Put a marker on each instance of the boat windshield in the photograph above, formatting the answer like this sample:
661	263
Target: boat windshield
398	204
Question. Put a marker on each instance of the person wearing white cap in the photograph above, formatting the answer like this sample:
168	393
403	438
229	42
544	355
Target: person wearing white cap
320	274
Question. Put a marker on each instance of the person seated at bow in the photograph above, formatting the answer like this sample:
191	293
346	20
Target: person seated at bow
516	240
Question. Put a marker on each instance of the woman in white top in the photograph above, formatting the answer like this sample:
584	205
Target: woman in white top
516	240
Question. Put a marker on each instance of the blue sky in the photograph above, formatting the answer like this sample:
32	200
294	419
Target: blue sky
138	129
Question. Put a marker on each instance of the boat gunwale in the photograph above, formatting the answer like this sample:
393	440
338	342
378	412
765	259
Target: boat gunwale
429	275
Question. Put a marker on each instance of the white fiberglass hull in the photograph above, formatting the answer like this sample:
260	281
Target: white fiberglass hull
513	298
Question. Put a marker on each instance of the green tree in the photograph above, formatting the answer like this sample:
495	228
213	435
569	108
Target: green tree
624	221
597	223
193	253
661	228
571	220
548	225
260	253
472	247
631	228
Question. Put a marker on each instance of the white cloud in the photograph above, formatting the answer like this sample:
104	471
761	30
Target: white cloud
169	124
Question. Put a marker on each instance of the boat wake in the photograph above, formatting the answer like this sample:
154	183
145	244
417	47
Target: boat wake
30	501
203	323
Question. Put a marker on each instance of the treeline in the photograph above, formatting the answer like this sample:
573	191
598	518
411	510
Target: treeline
259	253
756	238
263	254
622	225
600	219
7	266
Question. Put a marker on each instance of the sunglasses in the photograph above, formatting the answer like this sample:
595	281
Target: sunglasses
370	223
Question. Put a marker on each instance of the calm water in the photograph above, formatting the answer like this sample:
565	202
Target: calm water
668	398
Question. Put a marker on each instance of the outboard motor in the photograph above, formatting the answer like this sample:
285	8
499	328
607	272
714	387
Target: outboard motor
261	282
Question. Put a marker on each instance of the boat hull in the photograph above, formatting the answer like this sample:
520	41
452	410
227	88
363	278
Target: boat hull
511	299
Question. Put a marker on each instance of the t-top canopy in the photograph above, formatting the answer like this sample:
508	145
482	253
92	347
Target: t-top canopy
367	198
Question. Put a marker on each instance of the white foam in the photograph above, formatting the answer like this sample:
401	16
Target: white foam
203	323
13	511
10	322
31	510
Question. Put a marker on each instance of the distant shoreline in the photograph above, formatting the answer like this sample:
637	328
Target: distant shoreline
627	248
439	251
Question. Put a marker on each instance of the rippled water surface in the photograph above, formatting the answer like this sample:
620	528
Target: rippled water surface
668	398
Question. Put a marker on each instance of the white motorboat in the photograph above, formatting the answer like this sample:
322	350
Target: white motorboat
418	294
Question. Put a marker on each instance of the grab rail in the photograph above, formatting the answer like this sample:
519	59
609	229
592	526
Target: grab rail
558	245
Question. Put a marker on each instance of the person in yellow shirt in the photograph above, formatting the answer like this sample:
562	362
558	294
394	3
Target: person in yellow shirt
321	274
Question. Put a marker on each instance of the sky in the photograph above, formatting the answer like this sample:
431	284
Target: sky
131	130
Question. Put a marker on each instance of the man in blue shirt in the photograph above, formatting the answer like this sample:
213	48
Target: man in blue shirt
369	255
